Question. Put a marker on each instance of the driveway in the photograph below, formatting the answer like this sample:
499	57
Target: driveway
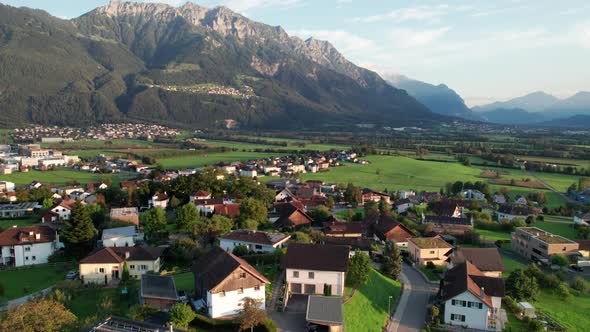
293	318
411	312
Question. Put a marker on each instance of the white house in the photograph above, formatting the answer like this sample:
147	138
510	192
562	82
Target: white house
510	212
256	241
473	195
403	194
316	268
582	219
107	264
159	200
403	205
31	245
223	281
249	173
60	211
473	300
121	236
7	186
200	195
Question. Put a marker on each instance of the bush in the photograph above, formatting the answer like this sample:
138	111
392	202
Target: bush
269	325
241	250
141	312
430	265
563	290
550	281
579	284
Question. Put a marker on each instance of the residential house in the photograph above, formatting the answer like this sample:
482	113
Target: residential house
403	194
159	200
521	200
223	281
60	211
355	243
584	251
499	199
447	208
200	195
316	268
121	236
284	195
106	264
255	241
537	244
7	186
292	217
386	228
158	291
473	300
473	195
429	249
487	260
92	187
337	228
16	210
402	205
582	219
231	210
511	212
325	311
20	246
448	225
126	214
375	196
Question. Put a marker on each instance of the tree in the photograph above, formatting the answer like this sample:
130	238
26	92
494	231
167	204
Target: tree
563	290
209	229
47	203
392	260
253	209
40	315
153	221
320	214
520	287
79	231
241	250
384	207
185	250
353	195
371	208
174	202
251	315
141	312
559	260
186	216
300	237
359	267
330	203
578	284
125	273
181	315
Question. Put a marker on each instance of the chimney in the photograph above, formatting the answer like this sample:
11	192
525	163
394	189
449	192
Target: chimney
127	254
482	293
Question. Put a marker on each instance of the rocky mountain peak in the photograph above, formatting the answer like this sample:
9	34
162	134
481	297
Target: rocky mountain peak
117	8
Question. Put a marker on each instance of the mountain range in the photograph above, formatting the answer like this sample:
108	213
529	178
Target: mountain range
186	66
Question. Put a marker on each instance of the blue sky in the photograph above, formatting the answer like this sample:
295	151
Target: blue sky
485	50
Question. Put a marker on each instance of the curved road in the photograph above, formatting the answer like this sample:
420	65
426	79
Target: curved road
412	307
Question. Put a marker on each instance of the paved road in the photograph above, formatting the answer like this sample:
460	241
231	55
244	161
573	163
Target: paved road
412	307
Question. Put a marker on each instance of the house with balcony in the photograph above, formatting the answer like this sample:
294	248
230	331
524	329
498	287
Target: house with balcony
316	268
539	245
20	246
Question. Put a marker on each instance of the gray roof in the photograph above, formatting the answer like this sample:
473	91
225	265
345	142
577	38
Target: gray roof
324	310
163	287
18	206
110	233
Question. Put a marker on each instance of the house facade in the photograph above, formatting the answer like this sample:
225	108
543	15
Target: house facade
21	246
159	200
511	212
316	269
121	236
223	281
429	249
537	244
582	219
487	260
17	210
106	264
255	241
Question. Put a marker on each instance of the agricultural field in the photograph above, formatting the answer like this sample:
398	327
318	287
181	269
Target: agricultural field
209	159
296	146
558	181
571	312
61	176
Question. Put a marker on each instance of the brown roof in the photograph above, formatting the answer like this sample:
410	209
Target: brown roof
279	206
444	207
117	255
230	210
320	257
22	235
467	277
256	237
584	244
360	243
342	228
383	226
215	266
517	210
430	242
210	201
291	216
201	193
448	220
485	259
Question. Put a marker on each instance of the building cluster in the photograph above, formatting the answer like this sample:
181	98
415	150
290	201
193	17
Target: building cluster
23	157
245	92
109	131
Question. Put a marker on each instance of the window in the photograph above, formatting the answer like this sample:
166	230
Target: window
27	258
432	252
480	305
242	275
453	302
34	258
241	291
258	246
101	269
295	274
143	267
464	303
311	275
256	288
132	267
27	248
457	317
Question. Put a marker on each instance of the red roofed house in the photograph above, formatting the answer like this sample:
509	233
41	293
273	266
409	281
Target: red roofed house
291	217
60	211
31	245
385	228
200	195
229	210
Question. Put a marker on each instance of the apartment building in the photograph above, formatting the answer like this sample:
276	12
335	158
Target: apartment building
537	244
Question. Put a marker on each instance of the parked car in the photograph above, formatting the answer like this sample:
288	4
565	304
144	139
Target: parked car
577	268
72	275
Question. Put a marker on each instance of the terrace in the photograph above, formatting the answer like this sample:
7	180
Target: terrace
544	236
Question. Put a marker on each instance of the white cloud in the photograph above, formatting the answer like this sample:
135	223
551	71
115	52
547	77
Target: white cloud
344	41
419	13
581	34
410	38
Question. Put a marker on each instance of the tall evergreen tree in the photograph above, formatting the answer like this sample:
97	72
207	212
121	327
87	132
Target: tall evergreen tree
79	231
392	260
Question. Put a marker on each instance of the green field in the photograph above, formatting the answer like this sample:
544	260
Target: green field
558	226
60	176
558	181
185	281
571	312
85	302
6	223
367	310
209	159
511	264
293	146
24	281
492	235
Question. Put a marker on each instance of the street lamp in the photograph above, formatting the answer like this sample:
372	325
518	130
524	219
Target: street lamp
389	305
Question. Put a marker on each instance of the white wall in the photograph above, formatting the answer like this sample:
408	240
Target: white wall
38	253
231	302
229	245
64	213
475	318
123	241
336	279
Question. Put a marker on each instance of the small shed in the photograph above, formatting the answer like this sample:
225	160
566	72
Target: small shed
158	291
527	309
325	311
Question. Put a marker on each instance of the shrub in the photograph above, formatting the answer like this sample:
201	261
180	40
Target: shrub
141	312
241	250
563	290
430	265
550	281
579	284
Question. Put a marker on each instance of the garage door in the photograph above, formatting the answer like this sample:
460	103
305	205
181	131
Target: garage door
296	288
309	289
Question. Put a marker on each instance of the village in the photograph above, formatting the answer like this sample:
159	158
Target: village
218	246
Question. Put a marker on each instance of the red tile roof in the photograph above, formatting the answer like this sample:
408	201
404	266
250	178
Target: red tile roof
117	255
22	235
230	210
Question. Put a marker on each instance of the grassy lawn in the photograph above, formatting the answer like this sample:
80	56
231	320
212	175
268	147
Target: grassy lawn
185	281
514	323
60	176
20	282
209	159
367	311
558	226
84	303
492	235
559	181
572	312
432	274
6	223
510	265
291	146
